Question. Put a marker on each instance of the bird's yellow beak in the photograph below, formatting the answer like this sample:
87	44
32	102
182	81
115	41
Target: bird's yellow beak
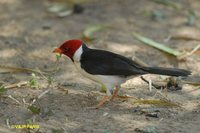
57	50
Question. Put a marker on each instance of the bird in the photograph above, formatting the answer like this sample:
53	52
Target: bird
107	68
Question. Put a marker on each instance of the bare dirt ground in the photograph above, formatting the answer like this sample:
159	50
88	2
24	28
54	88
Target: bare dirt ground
29	34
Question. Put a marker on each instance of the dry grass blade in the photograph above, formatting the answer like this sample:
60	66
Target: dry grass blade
9	69
189	53
157	103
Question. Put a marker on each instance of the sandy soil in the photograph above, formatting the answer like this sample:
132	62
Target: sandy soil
28	35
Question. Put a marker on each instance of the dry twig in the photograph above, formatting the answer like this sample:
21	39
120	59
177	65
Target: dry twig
9	96
40	96
15	85
156	87
8	123
189	53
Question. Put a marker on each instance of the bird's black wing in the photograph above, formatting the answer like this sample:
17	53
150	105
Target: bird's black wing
101	62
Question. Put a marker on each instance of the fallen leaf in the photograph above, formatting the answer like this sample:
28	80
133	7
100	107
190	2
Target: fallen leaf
157	45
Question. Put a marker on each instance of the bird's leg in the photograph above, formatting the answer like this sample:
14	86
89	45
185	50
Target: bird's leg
105	98
115	93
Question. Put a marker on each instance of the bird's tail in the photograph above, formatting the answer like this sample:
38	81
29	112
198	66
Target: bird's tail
167	71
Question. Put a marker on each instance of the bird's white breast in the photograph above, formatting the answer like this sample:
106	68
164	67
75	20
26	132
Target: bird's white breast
109	80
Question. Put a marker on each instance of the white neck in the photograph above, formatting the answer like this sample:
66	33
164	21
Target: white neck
77	54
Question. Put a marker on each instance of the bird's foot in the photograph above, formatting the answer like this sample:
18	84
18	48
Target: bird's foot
100	104
105	98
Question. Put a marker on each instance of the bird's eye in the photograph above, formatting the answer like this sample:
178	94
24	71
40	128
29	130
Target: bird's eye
67	49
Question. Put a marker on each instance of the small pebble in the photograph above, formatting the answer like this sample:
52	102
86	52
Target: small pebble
105	114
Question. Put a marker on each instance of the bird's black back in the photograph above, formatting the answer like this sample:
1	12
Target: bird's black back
99	62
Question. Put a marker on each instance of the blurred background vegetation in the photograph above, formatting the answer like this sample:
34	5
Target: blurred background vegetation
155	32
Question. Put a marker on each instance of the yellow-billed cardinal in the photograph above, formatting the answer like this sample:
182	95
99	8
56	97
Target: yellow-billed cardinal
107	68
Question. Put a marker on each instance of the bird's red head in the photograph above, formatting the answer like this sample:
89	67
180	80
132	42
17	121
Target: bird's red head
69	47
